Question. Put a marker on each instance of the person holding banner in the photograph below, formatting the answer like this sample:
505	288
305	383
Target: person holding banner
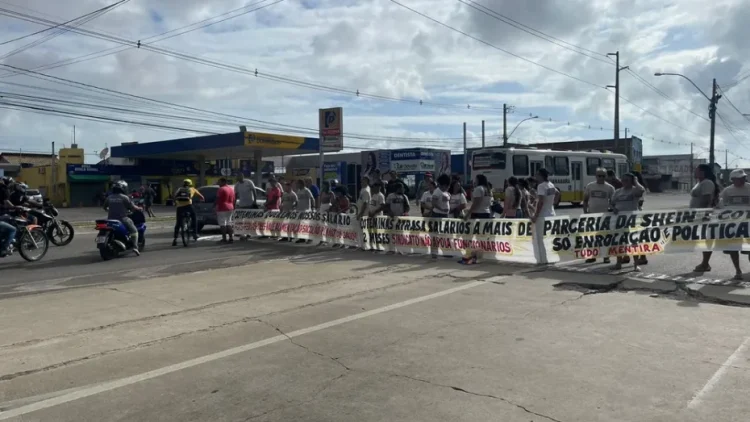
458	199
735	197
481	199
425	203
441	198
596	199
375	208
626	199
397	203
705	194
363	200
513	199
545	196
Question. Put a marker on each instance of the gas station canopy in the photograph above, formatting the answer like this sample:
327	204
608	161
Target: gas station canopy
216	147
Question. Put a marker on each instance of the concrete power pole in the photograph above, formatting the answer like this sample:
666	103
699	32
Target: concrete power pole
692	167
466	159
506	109
505	125
616	86
712	115
482	133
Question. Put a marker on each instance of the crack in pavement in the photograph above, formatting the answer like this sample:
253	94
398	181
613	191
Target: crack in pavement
213	305
348	369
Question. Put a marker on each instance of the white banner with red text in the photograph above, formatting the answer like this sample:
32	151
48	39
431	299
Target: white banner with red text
518	240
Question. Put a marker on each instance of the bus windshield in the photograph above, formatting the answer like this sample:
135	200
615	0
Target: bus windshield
488	160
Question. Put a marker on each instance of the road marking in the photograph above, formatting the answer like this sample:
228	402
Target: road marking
134	379
711	383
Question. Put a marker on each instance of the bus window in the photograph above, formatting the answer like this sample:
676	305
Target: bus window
591	165
549	164
608	163
562	168
622	169
520	165
488	160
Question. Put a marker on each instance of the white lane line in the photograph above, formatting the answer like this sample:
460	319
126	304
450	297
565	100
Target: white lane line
711	383
123	382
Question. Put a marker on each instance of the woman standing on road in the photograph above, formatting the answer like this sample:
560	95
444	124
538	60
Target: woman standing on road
704	194
626	199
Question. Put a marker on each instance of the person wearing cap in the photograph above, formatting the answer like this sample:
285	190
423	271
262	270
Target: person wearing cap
736	196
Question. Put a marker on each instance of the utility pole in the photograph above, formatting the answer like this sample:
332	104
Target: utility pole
712	114
616	86
626	133
53	171
482	133
726	159
506	109
692	166
466	159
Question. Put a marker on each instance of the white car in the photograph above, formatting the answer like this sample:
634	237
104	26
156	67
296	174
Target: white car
34	195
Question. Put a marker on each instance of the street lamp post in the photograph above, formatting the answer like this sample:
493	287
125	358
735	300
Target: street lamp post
519	124
712	101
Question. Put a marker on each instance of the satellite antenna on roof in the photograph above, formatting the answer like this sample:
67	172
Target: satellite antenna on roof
104	154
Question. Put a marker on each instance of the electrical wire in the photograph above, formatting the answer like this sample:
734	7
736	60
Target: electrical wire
724	95
103	9
445	25
62	28
539	34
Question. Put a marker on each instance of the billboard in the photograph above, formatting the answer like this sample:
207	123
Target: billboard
375	160
331	128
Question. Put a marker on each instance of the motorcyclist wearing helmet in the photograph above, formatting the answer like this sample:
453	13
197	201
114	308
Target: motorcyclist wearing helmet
19	199
183	198
118	205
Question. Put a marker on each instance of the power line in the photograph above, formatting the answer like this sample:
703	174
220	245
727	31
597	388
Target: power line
651	113
724	94
663	94
63	27
559	72
539	34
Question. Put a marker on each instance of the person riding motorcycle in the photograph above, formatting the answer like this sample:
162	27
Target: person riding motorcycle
19	198
7	230
118	205
183	198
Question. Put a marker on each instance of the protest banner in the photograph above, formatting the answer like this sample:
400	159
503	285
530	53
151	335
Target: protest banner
332	228
494	239
516	240
646	233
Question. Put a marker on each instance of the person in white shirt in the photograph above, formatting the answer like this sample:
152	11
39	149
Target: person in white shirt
597	197
363	200
425	203
734	196
305	199
481	199
458	199
377	201
244	190
441	198
545	194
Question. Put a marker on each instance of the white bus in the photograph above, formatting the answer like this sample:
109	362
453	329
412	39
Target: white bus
570	171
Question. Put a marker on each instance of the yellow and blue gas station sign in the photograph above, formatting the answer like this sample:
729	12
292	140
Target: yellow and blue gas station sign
272	140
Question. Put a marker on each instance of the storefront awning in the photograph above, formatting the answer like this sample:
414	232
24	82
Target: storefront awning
88	177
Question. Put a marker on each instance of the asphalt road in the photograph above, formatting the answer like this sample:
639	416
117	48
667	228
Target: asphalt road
272	332
264	331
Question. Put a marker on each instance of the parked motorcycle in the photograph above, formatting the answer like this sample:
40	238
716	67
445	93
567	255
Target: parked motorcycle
113	238
59	232
31	241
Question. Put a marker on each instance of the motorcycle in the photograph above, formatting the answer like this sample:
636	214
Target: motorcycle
29	237
59	232
113	237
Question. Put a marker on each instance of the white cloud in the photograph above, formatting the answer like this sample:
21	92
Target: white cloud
377	47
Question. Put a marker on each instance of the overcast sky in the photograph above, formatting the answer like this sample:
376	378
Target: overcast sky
380	48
